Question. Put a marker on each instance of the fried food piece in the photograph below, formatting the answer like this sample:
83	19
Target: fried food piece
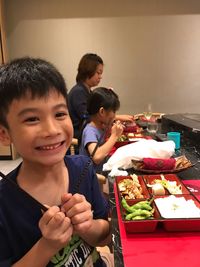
130	188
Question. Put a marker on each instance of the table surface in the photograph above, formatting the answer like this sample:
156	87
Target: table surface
154	249
160	246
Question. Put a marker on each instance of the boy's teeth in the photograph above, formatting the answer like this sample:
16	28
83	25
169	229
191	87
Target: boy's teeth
49	147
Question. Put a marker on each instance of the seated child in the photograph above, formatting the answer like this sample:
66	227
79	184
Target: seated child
34	117
101	106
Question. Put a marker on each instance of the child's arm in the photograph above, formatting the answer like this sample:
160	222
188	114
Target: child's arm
103	150
56	231
94	231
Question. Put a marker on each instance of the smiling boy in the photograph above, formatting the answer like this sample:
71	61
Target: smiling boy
34	117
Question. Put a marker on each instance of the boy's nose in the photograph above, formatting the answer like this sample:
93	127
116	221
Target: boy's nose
50	128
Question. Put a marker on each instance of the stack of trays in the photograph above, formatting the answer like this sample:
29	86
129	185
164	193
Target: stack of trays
178	220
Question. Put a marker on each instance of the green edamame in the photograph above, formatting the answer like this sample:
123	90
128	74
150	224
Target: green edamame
142	205
138	212
126	206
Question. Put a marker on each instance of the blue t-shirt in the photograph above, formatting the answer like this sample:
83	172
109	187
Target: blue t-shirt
91	135
19	217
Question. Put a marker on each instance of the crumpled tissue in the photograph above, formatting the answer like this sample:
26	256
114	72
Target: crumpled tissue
116	172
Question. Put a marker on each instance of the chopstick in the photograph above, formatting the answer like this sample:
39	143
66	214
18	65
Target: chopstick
19	189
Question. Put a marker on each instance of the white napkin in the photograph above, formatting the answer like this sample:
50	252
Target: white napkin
137	151
116	172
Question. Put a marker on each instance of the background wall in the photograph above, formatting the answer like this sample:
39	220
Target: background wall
151	48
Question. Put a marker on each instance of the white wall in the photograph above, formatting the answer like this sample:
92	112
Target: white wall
151	49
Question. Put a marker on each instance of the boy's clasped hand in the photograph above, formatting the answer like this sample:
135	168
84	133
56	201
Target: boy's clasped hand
58	224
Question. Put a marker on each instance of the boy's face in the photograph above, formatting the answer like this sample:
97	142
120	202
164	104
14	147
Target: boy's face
40	128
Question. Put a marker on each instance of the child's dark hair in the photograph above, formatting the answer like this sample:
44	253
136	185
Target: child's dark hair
27	75
87	66
102	97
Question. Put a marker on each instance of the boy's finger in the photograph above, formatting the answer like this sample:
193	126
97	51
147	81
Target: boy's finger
47	216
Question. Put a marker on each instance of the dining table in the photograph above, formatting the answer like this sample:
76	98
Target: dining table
159	247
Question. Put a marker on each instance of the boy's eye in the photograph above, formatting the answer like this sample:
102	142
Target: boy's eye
31	119
61	115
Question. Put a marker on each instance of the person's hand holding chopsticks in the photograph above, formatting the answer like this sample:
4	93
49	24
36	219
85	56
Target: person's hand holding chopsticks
78	209
117	129
56	229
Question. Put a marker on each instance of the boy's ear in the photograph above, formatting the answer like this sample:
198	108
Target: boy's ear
4	136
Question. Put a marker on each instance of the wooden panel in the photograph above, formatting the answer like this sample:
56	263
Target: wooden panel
5	150
4	54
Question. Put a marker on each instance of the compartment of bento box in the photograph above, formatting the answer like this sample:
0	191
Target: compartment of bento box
140	220
179	213
131	187
165	184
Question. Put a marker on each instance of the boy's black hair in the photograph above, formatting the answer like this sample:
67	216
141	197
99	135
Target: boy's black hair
102	97
87	66
27	75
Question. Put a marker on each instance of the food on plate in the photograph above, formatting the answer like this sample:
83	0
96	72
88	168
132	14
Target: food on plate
134	135
155	116
131	128
139	211
171	186
122	138
130	135
182	162
137	164
177	207
130	188
158	189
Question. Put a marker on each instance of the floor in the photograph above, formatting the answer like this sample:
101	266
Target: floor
8	165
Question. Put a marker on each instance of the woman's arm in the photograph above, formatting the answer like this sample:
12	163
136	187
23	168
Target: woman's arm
125	117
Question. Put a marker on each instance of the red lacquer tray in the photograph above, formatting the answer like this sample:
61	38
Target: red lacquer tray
150	225
159	247
130	140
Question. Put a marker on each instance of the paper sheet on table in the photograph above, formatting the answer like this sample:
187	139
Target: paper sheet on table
137	151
